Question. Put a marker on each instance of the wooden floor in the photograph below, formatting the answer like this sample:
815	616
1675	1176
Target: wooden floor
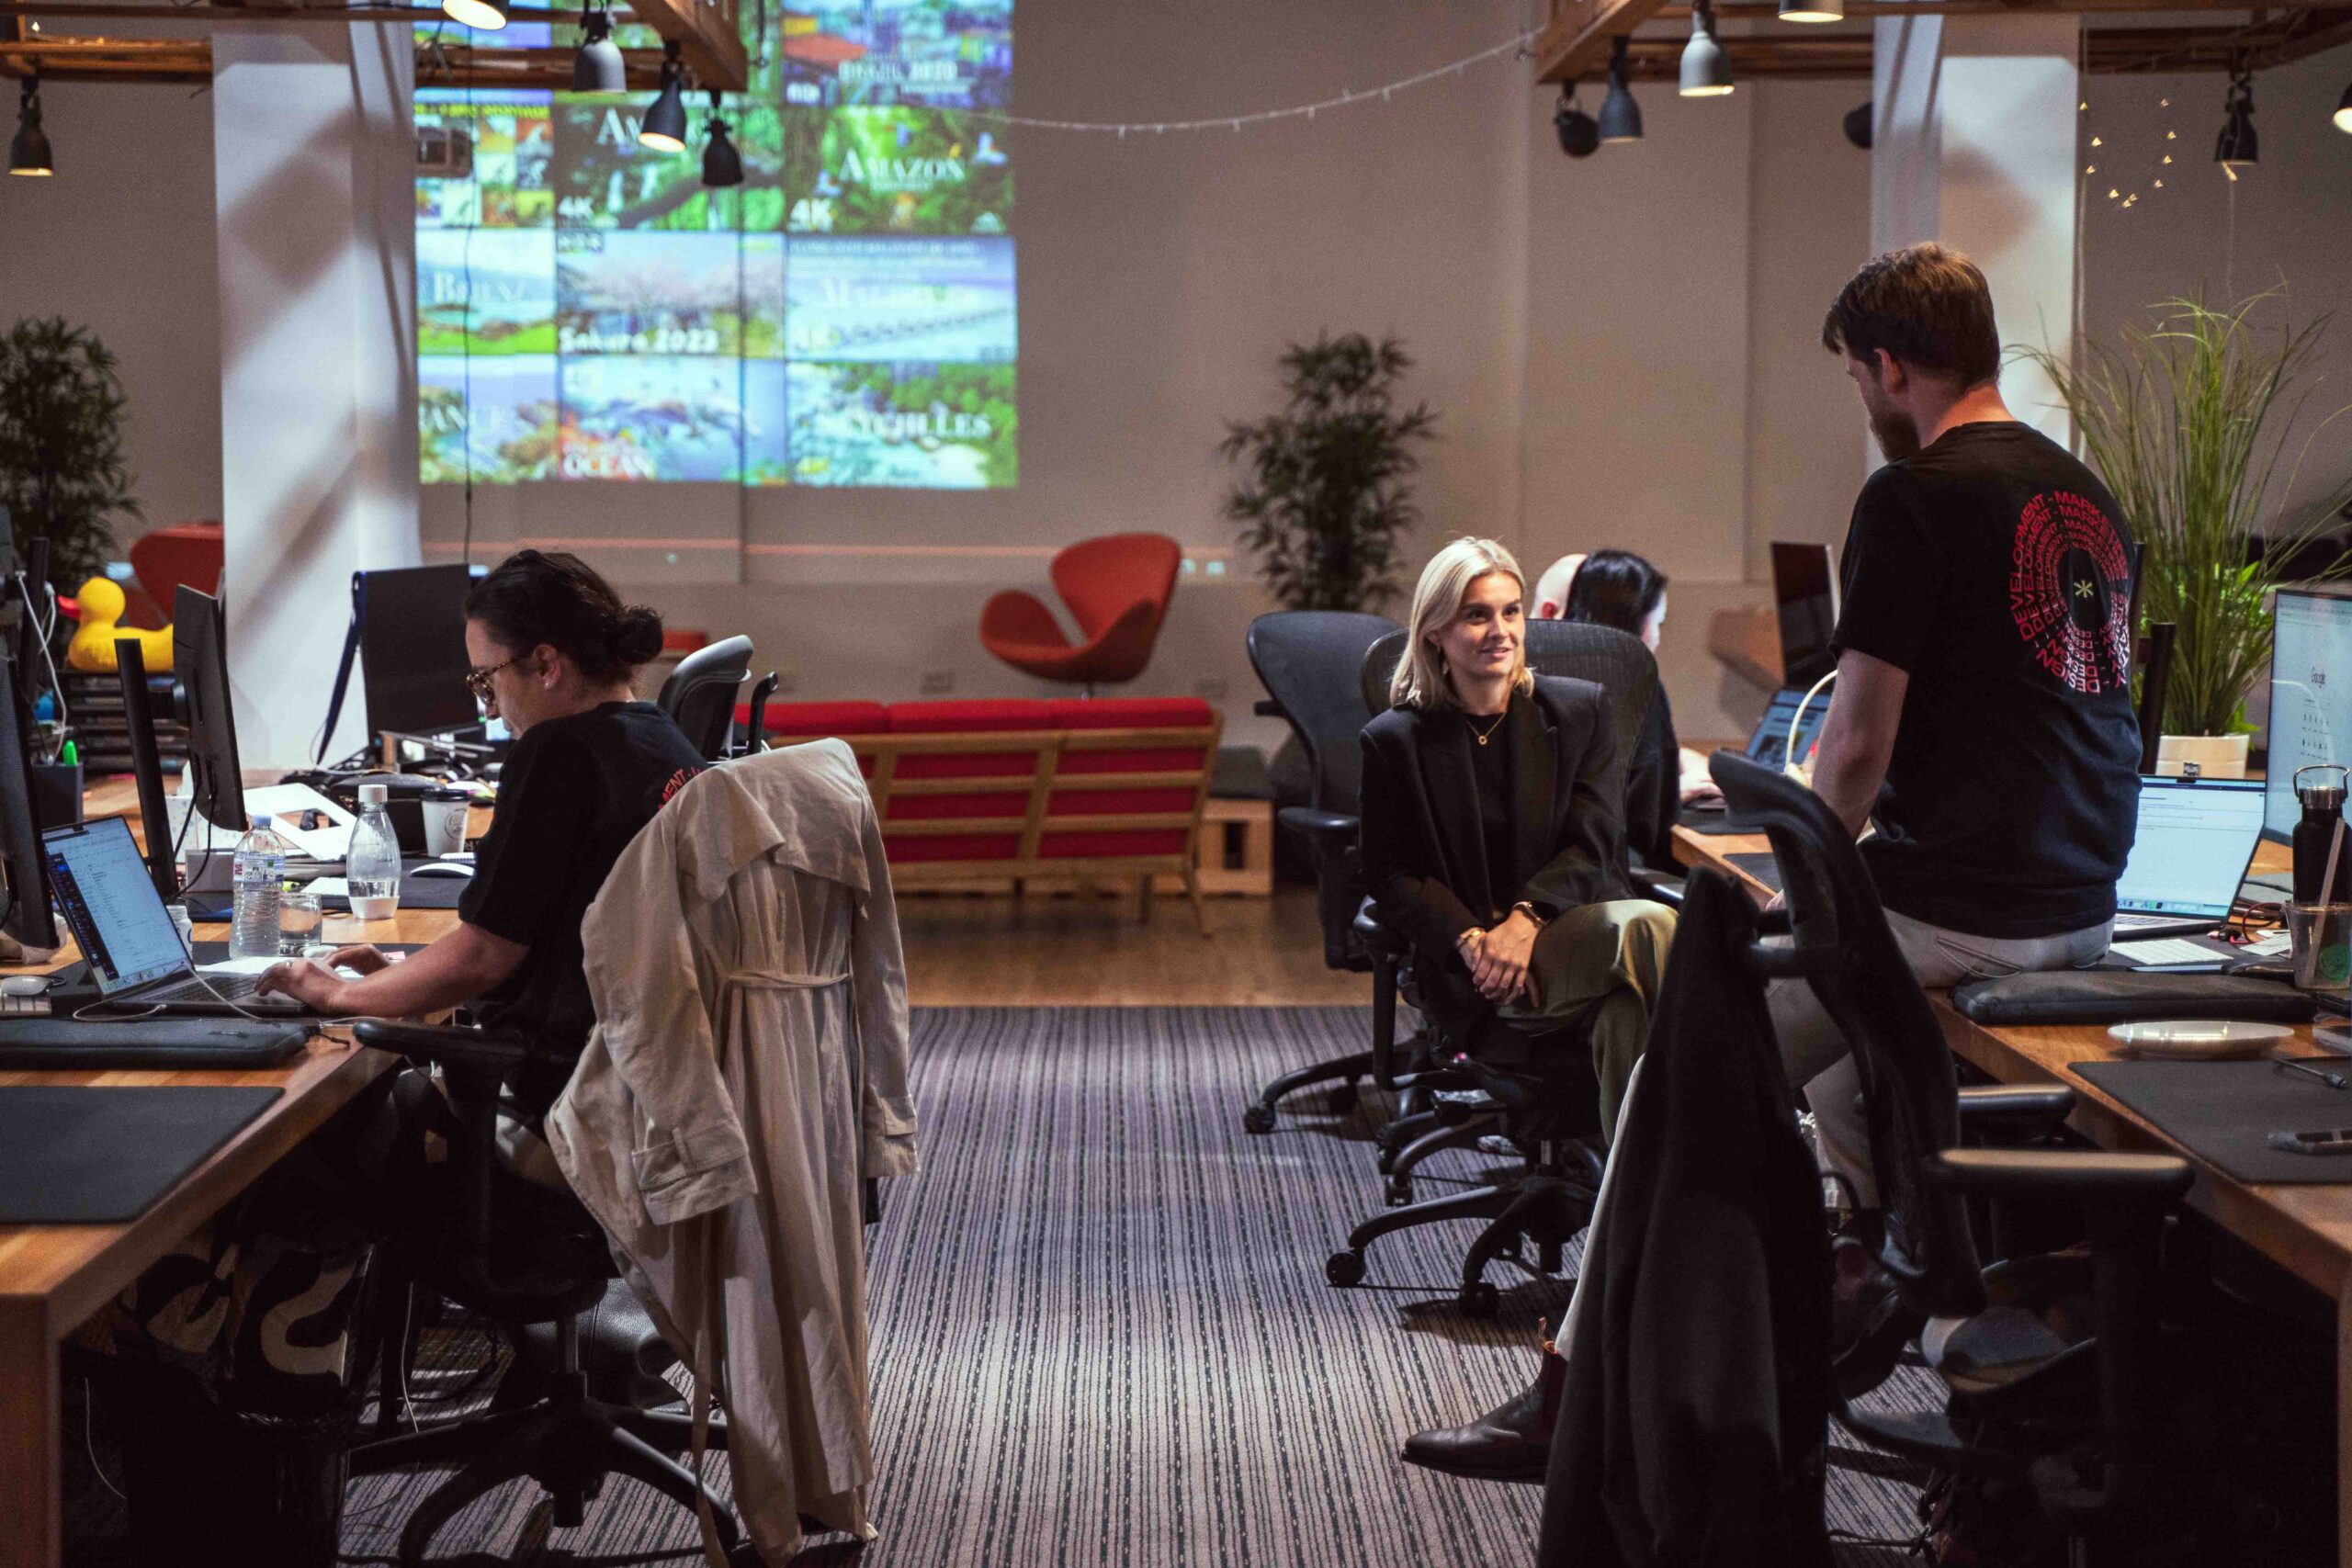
994	951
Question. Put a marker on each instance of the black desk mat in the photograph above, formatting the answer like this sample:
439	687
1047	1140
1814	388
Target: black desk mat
2224	1111
72	1156
1761	865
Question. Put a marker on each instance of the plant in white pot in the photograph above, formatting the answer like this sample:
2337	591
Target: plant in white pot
2187	419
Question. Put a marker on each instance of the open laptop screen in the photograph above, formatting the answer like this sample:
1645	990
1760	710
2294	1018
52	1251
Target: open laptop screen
117	915
1768	743
2195	841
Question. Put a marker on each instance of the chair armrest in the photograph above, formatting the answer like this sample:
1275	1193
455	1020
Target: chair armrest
1328	830
2032	1111
1266	707
2082	1179
1376	934
447	1047
1660	886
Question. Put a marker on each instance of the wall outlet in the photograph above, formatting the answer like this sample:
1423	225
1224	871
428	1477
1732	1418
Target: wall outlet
938	683
1210	687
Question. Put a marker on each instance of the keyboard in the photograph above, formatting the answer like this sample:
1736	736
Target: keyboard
2168	950
2143	922
217	989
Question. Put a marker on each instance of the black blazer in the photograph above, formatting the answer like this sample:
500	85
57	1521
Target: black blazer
1425	859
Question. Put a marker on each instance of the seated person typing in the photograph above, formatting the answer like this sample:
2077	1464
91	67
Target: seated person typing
553	649
1618	588
1487	839
1982	716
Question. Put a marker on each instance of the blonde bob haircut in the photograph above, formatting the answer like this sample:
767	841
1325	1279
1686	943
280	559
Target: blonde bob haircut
1419	681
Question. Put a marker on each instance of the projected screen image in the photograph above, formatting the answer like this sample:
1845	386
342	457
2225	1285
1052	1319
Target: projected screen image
849	315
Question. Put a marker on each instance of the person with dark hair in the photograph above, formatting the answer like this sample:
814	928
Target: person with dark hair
1618	588
1981	715
553	649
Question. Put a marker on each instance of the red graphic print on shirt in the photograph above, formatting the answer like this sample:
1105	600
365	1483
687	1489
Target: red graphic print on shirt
2070	589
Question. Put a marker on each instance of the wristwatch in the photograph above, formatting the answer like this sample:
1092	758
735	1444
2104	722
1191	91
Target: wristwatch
1531	912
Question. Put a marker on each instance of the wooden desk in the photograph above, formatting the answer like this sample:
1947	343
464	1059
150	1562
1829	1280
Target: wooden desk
52	1277
2307	1230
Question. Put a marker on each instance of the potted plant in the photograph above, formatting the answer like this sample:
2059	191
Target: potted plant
1323	496
62	472
2186	418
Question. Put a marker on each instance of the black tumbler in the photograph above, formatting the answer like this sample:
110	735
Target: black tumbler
2322	815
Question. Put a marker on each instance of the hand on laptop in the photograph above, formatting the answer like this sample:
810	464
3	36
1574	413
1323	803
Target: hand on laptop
306	980
362	957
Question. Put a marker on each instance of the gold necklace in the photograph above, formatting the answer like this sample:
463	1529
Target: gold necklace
1490	729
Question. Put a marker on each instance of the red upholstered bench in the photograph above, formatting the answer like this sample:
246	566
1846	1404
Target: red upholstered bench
990	790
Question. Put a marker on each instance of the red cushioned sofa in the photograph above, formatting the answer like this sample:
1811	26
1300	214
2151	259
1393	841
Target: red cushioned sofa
991	790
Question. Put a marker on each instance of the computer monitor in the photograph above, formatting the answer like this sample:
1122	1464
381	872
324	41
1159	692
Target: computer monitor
200	665
2311	696
30	920
412	649
1804	590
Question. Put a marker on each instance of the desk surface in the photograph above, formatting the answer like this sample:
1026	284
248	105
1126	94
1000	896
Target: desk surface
52	1277
2307	1230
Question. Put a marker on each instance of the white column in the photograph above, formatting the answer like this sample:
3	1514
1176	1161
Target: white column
314	169
1974	145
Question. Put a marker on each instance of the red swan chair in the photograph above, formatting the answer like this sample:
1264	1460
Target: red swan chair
1116	588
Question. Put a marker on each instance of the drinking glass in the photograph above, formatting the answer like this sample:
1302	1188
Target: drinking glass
298	919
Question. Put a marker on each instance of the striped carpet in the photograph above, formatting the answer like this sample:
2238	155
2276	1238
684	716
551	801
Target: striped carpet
1102	1334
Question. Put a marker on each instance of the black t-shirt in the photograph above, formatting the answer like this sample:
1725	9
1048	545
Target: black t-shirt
1491	769
573	792
1996	570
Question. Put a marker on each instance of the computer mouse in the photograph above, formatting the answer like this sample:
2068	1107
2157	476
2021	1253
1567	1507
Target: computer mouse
443	868
24	986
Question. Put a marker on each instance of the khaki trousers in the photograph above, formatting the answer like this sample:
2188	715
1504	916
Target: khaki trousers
1601	965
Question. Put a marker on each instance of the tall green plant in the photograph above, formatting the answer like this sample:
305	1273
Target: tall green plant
62	472
2186	418
1323	496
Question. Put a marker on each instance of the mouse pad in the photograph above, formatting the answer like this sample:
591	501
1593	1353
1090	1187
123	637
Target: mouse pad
74	1157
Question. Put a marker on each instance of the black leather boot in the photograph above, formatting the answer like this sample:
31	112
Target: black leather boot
1511	1442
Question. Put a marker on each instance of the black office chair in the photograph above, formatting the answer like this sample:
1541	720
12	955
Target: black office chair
1545	1099
2052	1372
700	695
1310	661
521	1256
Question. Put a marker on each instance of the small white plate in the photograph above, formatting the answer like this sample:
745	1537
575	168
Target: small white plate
2197	1040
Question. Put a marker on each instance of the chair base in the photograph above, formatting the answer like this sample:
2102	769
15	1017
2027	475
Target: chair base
1545	1206
1261	1115
567	1443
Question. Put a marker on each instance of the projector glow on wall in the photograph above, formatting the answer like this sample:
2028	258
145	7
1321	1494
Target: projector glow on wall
588	310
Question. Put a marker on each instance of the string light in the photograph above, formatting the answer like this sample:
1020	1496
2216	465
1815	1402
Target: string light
1346	98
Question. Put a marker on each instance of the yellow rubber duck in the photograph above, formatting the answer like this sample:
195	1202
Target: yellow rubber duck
92	649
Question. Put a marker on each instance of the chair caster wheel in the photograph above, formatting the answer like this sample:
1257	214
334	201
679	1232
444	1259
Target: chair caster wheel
1341	1100
1344	1269
1257	1119
1400	1191
1479	1299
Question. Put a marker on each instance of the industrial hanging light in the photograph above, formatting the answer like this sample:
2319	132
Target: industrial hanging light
2343	112
721	163
664	130
2237	146
598	67
28	153
1813	10
482	15
1579	137
1706	70
1621	116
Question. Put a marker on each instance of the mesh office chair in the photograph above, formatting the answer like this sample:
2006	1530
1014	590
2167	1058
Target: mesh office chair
1548	1104
1310	661
700	695
2049	1362
521	1256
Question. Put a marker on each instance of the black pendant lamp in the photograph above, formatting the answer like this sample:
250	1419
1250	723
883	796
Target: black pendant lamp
599	66
2237	146
1579	137
1706	70
1621	116
722	166
28	154
664	130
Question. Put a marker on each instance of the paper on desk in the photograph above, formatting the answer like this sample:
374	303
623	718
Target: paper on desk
236	966
283	802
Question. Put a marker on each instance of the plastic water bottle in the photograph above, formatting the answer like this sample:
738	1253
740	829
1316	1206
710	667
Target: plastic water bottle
259	870
373	865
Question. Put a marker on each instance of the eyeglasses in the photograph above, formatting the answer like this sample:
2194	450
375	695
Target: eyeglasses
478	680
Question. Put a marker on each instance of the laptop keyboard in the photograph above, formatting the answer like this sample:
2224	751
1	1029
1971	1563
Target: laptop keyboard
2167	949
214	988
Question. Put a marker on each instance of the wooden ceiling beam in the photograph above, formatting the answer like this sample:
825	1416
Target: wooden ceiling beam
1578	41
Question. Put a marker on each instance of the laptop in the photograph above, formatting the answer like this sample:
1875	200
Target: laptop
127	936
2194	845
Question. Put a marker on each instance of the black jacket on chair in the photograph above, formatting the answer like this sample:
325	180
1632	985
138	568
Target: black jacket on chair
1424	861
1693	1428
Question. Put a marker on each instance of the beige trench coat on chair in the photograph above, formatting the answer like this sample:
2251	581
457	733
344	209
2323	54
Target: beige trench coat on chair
748	1070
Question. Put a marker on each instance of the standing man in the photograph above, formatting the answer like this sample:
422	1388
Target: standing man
1983	707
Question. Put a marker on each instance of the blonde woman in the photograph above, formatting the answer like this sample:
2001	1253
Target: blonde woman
1487	839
